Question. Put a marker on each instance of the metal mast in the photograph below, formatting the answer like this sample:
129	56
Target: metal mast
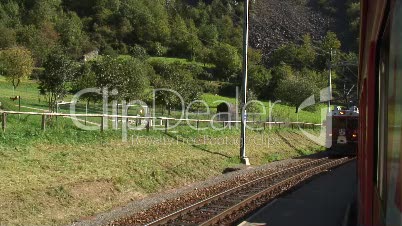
330	81
243	156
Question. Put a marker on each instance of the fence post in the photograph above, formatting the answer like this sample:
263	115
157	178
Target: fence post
198	124
4	122
166	125
43	122
265	125
148	124
102	124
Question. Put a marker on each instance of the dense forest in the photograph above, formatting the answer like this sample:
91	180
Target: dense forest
130	45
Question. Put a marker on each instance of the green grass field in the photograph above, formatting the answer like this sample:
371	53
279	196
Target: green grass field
280	112
63	174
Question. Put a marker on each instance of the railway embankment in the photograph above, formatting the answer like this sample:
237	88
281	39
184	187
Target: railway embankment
46	183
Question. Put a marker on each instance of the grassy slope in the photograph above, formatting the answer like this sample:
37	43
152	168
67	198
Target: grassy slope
62	174
280	112
43	183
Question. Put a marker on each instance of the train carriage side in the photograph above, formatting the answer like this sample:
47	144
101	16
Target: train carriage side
380	123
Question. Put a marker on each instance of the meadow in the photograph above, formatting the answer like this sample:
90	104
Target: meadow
64	174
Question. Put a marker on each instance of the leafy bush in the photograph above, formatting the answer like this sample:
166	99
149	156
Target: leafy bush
177	78
210	87
156	49
227	61
139	52
295	89
259	80
130	76
54	82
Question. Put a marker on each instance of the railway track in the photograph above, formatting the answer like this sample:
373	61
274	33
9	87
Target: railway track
231	205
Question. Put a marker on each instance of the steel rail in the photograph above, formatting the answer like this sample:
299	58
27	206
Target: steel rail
167	218
287	182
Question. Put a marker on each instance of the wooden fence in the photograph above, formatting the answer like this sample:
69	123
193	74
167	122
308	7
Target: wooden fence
149	121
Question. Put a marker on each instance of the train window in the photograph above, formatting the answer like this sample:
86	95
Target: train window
352	123
338	123
394	120
382	88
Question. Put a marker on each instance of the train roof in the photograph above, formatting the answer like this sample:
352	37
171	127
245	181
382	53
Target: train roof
339	112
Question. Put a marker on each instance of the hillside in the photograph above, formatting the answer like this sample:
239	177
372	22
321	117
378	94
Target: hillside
274	23
277	22
101	43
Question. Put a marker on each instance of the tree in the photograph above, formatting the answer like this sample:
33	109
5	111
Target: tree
16	64
284	55
184	39
72	35
205	56
139	52
128	75
298	56
330	44
169	75
353	11
86	78
227	61
254	56
7	37
41	41
208	34
279	73
252	107
10	13
43	11
149	20
54	82
194	42
259	80
331	41
306	54
295	90
228	32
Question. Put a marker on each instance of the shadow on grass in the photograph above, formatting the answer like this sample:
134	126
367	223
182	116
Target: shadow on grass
289	143
197	147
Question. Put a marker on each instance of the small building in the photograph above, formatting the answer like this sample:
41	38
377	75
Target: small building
91	55
226	111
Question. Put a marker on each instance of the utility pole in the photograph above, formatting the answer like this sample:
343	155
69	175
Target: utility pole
243	156
330	81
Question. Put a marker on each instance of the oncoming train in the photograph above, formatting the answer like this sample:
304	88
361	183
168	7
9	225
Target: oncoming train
342	131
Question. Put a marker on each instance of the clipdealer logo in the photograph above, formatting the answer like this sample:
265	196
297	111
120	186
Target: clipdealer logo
185	112
310	101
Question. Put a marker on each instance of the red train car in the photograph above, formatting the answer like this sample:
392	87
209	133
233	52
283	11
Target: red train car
380	121
343	136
